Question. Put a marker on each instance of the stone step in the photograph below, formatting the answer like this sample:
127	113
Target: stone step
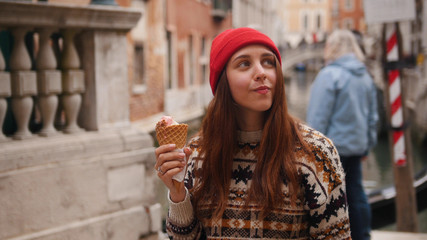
389	235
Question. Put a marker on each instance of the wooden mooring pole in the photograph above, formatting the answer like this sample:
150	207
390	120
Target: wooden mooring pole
399	132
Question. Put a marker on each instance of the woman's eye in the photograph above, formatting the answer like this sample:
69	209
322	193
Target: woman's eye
268	62
243	64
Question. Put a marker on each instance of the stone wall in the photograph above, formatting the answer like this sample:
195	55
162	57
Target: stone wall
98	181
95	185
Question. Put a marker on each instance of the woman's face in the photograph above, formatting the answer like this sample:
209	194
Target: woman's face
251	74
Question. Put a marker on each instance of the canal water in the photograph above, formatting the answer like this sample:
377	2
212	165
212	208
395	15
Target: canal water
377	169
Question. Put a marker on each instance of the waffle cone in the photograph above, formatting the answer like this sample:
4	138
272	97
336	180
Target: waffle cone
172	134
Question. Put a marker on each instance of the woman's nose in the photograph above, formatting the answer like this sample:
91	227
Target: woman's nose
260	73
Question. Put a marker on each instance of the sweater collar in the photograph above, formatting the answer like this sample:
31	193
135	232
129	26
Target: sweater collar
249	137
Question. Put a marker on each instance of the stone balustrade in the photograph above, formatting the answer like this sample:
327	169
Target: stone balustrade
44	83
54	84
72	166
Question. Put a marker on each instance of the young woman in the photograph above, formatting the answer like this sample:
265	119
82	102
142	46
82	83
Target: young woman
253	171
343	106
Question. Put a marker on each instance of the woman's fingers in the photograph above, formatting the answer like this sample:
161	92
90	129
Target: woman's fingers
168	173
164	148
170	165
160	153
169	162
169	169
169	156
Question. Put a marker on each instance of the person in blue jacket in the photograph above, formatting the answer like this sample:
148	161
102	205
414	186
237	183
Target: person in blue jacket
343	106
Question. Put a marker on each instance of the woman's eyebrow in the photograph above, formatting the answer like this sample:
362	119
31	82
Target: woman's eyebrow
267	54
239	57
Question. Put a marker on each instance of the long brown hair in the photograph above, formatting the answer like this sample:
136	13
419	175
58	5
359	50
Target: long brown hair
218	144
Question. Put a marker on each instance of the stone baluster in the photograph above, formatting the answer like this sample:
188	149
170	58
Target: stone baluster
24	84
5	91
72	82
48	83
56	38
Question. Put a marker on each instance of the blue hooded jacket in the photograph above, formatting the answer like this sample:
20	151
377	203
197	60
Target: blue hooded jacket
343	106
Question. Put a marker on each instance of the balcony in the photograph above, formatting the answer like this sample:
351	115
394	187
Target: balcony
71	164
220	9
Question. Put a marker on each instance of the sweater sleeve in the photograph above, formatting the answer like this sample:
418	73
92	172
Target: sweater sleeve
324	185
181	222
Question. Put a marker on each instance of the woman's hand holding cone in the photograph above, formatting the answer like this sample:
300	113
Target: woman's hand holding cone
168	164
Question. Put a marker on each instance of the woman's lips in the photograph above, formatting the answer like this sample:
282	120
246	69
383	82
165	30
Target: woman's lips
262	90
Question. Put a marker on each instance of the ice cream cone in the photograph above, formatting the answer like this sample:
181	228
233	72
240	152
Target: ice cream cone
176	134
170	132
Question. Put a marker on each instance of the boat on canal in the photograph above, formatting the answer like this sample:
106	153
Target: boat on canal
382	201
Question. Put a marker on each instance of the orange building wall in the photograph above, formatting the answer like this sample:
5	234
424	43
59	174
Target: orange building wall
356	14
191	17
152	100
184	18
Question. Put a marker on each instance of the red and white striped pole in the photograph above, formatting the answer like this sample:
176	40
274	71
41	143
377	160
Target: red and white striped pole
396	110
406	201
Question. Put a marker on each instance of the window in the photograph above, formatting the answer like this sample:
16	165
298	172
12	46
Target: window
348	23
170	61
319	21
305	21
335	8
191	64
335	25
335	4
348	5
139	84
203	61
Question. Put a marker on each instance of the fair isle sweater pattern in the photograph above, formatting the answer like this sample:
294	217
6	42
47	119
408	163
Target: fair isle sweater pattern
319	213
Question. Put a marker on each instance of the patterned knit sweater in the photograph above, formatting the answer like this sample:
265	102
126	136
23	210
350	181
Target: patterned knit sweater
320	212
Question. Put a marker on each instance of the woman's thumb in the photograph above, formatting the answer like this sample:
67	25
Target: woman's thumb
188	152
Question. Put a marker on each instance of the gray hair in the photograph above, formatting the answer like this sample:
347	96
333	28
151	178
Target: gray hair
342	42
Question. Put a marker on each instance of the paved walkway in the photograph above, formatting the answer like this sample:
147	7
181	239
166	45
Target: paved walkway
376	235
382	235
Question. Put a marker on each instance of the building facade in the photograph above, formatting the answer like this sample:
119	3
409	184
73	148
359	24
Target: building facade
189	38
347	14
174	65
304	21
260	15
147	51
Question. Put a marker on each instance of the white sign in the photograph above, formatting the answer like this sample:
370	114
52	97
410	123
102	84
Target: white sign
388	11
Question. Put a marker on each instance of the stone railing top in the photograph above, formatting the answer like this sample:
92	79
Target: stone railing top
18	13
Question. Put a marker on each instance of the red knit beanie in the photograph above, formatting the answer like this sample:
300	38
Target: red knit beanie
229	42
